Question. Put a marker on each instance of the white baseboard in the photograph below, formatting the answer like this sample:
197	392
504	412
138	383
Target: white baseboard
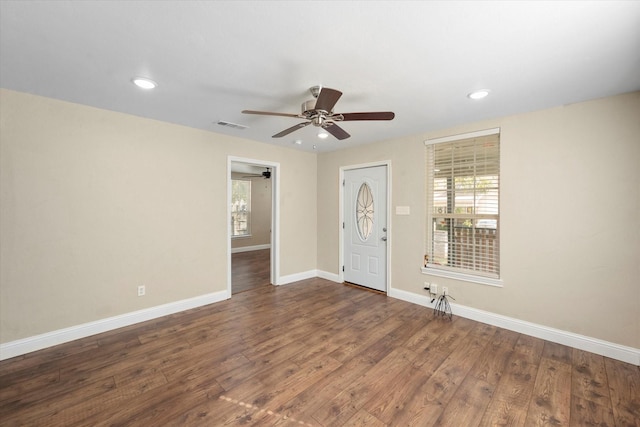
285	280
250	248
593	345
49	339
329	276
424	300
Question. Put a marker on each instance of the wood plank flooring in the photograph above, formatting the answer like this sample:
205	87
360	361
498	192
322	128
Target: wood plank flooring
250	270
316	353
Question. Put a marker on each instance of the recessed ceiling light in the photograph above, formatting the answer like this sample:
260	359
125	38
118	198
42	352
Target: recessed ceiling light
144	83
298	142
478	94
323	134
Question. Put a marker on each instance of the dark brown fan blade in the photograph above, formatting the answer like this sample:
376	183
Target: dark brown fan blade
269	113
337	131
327	99
291	129
380	115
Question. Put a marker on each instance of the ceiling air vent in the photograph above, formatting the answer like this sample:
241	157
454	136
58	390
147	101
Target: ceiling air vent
231	125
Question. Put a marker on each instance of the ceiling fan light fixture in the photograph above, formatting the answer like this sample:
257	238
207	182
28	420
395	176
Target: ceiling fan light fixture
323	134
144	83
478	94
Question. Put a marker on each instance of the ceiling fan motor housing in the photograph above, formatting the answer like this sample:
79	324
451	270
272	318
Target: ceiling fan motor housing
318	117
309	108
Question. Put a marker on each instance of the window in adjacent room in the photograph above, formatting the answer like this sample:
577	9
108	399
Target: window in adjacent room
240	208
463	206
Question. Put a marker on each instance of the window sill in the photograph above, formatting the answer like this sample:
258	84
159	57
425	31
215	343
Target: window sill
461	276
244	236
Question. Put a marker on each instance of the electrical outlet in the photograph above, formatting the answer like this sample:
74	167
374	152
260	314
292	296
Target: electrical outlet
434	289
445	290
426	286
141	290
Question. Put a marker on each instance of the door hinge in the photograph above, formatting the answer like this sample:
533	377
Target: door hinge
343	224
343	268
343	182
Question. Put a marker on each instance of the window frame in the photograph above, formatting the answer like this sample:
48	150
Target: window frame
459	273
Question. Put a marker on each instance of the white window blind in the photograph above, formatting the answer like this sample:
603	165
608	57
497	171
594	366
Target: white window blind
463	203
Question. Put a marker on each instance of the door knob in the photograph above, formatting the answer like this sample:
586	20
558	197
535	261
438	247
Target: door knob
384	238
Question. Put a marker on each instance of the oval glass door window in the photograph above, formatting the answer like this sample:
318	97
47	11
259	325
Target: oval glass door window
364	211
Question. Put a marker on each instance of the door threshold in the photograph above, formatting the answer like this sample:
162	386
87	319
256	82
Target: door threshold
364	288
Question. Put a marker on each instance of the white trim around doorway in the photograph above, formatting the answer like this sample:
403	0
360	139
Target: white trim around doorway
275	216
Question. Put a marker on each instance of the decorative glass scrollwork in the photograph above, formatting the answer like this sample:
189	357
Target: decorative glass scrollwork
364	211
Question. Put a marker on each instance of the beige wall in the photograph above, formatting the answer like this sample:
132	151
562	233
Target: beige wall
570	205
260	213
95	203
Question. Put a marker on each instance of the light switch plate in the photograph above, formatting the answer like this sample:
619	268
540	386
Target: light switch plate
403	210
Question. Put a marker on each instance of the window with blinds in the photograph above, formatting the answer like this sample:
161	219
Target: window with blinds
463	203
240	208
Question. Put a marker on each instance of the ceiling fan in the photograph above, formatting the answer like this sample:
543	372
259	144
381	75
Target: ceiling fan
319	112
266	174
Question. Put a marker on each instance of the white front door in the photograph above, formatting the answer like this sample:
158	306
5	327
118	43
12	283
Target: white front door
365	227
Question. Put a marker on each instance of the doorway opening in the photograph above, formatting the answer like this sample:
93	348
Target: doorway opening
252	224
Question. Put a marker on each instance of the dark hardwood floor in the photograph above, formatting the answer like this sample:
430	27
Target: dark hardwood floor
316	353
250	270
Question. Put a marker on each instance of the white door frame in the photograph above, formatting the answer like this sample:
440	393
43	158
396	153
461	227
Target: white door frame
386	163
275	216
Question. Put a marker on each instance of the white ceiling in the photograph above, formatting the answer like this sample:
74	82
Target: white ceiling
420	59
